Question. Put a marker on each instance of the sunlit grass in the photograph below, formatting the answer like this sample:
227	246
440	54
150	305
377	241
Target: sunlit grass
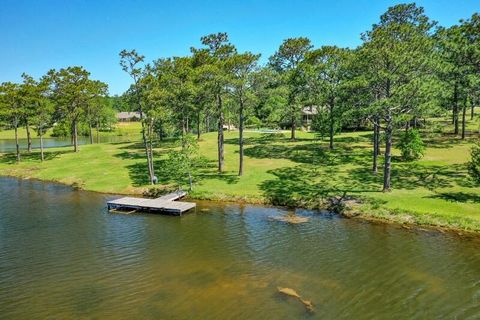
119	129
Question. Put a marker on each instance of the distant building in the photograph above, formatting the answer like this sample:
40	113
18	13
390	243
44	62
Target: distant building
128	116
308	113
228	126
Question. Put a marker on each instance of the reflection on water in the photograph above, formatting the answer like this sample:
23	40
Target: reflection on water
63	256
8	145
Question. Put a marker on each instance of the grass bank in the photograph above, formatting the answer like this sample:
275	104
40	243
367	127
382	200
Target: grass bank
119	129
435	190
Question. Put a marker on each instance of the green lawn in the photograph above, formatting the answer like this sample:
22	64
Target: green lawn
120	129
435	190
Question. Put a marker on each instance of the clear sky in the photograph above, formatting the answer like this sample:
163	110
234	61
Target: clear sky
39	35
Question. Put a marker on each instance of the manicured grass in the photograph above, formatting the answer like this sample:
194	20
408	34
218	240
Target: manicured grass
120	129
22	133
435	190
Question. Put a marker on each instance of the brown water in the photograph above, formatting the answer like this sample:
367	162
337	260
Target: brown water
63	256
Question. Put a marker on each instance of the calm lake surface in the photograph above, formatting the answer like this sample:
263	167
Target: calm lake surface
62	255
8	145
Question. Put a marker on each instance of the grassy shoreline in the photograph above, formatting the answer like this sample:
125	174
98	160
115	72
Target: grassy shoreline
433	191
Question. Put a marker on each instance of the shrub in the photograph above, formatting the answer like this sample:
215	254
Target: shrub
474	164
411	145
253	122
61	130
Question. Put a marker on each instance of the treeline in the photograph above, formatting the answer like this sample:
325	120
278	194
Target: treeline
67	100
406	69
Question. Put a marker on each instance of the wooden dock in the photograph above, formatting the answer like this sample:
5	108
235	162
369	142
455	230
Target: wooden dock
164	204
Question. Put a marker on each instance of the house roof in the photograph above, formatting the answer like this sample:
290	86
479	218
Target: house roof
128	115
310	110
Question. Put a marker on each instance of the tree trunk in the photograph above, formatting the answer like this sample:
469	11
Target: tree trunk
160	131
240	139
144	138
379	152
464	112
455	109
220	134
90	132
388	155
184	125
17	146
98	131
376	142
472	109
198	125
190	181
332	123
40	132
147	153
294	125
29	137
150	134
75	136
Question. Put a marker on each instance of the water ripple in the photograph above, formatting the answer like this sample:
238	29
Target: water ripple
63	256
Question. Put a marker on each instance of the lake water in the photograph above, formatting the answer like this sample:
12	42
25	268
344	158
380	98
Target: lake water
8	145
62	255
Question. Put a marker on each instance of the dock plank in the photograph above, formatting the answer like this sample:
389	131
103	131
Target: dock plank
173	196
164	203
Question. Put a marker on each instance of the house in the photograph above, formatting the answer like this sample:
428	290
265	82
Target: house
308	113
128	116
228	126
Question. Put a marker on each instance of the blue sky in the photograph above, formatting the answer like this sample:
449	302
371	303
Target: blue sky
40	35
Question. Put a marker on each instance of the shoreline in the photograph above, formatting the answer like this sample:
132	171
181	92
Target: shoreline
407	221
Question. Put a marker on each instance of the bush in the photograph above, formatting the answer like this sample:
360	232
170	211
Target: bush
61	130
64	129
411	145
253	122
474	164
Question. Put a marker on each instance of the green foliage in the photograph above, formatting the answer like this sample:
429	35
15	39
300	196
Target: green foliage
474	164
321	123
120	103
61	129
287	63
181	163
411	145
253	122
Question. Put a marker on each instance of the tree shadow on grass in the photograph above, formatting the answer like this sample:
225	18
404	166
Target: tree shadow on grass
312	153
447	141
462	197
11	158
364	137
409	176
310	183
138	171
304	184
267	138
228	178
165	171
138	145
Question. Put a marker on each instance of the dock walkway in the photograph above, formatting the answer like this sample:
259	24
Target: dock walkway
164	204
